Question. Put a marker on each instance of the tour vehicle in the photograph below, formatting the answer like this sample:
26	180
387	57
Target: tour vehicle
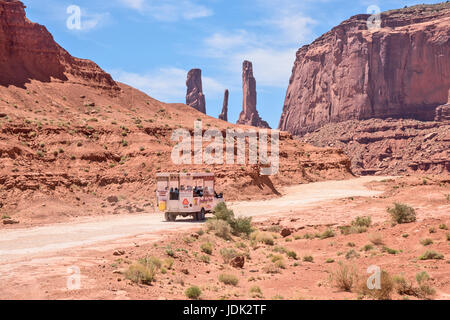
186	194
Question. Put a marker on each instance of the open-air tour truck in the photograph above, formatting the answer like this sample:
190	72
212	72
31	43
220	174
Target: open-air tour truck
186	194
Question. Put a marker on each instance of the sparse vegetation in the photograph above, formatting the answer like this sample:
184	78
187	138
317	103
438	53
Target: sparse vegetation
193	292
443	227
431	255
344	277
308	258
228	279
263	237
228	254
426	242
402	213
329	233
376	239
387	285
207	248
143	273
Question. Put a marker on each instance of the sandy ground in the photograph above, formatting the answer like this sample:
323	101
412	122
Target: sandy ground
36	263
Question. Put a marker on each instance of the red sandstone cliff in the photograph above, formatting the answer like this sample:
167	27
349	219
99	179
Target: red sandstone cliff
401	70
29	52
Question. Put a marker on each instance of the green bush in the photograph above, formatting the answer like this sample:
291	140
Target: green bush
221	212
207	247
141	273
228	279
426	242
344	277
241	225
402	213
193	292
308	258
228	254
364	221
431	255
263	237
221	228
329	233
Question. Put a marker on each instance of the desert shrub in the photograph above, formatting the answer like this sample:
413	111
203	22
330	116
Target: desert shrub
376	239
256	292
432	230
292	254
344	277
151	261
329	233
263	237
426	242
141	273
275	229
221	212
447	235
403	286
221	228
367	247
228	254
241	225
364	221
200	232
193	292
308	258
431	255
168	263
351	254
346	230
443	227
387	285
425	290
402	213
280	264
276	258
170	252
390	250
351	244
228	279
207	247
204	258
329	260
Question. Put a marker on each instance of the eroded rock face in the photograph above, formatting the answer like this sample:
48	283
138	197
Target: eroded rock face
194	96
29	52
401	70
389	146
249	115
224	115
443	112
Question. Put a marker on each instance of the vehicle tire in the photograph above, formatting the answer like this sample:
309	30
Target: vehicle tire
202	214
170	217
196	216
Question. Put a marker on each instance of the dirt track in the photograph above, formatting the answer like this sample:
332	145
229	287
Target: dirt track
22	243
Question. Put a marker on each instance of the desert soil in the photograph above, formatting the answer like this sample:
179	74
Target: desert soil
34	262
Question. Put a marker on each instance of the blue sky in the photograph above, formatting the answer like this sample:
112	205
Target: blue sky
151	44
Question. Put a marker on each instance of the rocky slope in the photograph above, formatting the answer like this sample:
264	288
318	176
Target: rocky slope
389	146
401	70
73	142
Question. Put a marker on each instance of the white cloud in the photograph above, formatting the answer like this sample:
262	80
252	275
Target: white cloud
134	4
169	10
271	45
166	84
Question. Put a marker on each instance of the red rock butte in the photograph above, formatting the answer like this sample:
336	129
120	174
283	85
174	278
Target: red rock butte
29	52
401	70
